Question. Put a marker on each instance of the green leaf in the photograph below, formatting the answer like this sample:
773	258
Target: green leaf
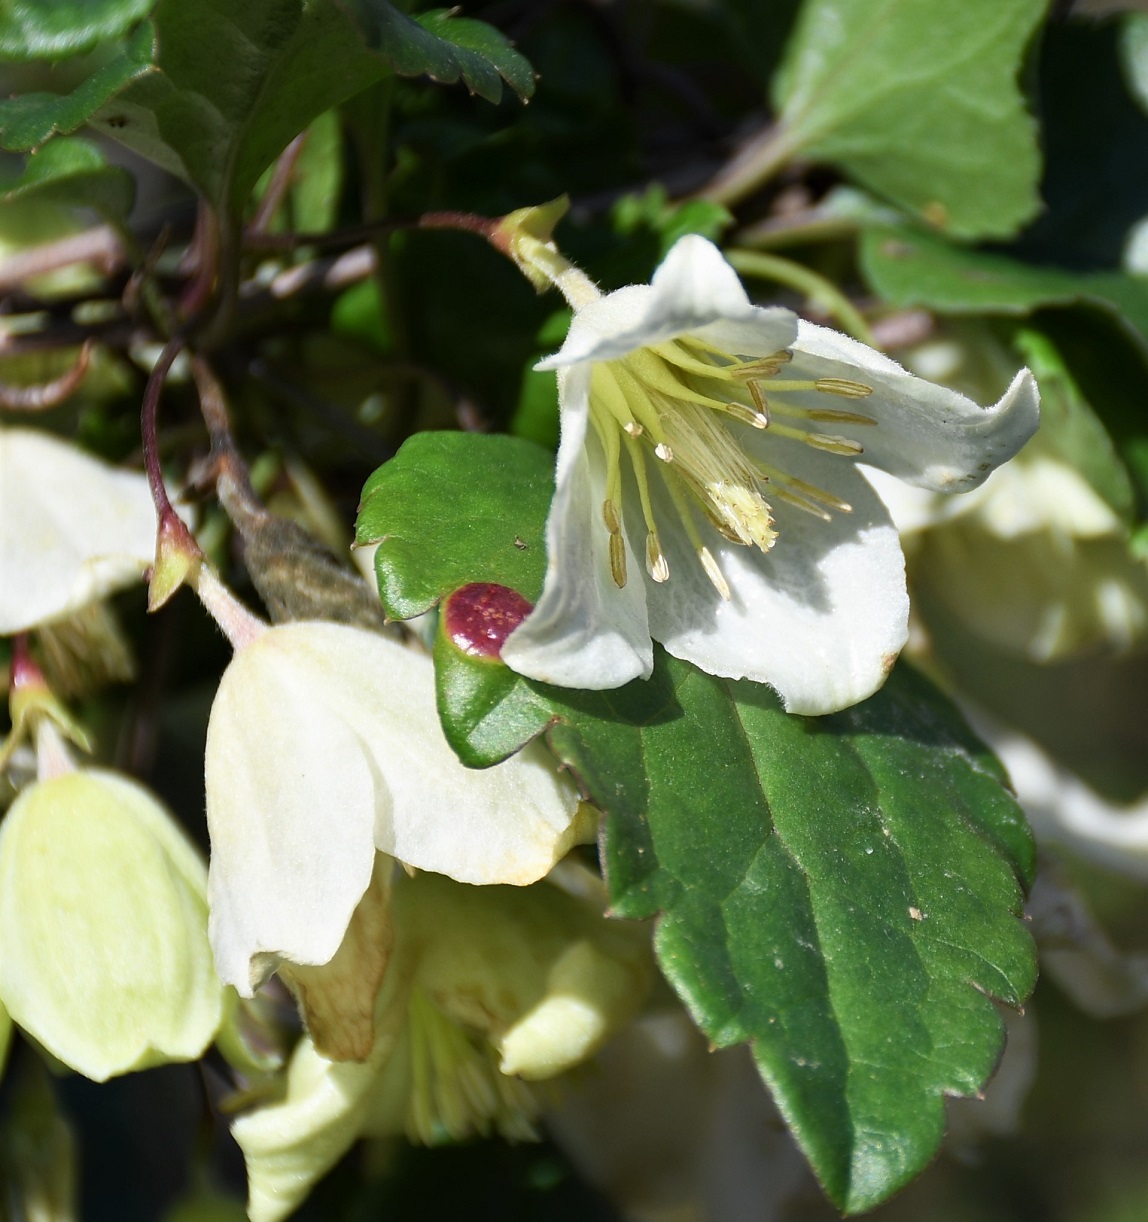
908	268
1105	345
445	47
52	29
919	104
72	172
427	548
30	119
1073	428
233	85
838	892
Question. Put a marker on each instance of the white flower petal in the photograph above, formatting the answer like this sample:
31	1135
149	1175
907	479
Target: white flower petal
695	290
292	801
506	824
926	434
584	631
821	617
72	529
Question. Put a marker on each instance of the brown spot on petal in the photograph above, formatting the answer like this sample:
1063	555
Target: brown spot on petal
479	617
888	662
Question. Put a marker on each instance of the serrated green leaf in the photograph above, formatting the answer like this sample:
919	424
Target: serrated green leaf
839	892
506	484
30	119
52	29
72	172
233	85
445	47
920	104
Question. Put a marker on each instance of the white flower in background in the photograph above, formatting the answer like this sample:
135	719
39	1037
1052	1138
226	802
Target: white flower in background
708	495
489	988
104	957
72	529
1034	560
324	749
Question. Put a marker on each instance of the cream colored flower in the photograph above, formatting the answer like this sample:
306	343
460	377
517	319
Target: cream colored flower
708	495
72	529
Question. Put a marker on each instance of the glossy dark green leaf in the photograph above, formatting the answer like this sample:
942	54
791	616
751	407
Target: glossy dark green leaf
52	29
919	106
447	48
29	119
427	548
72	172
841	893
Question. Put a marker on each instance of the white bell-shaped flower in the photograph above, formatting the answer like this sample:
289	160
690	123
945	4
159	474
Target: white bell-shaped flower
323	748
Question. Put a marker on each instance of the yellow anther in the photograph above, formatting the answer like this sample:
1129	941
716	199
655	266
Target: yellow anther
618	560
833	444
829	415
610	516
713	572
844	387
747	415
656	563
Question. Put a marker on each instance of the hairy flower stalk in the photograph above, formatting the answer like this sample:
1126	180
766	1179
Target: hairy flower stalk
707	492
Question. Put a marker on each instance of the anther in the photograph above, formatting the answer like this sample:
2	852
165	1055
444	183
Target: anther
747	415
656	563
664	452
760	402
610	516
713	572
831	415
618	560
634	429
844	387
833	444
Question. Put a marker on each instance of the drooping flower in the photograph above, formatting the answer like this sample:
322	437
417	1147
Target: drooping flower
707	493
489	990
103	925
323	750
72	529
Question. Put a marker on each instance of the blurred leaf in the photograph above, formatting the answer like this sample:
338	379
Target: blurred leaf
506	485
1093	135
1134	54
1073	428
918	104
652	209
1105	345
72	172
52	29
311	202
443	46
909	268
29	119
